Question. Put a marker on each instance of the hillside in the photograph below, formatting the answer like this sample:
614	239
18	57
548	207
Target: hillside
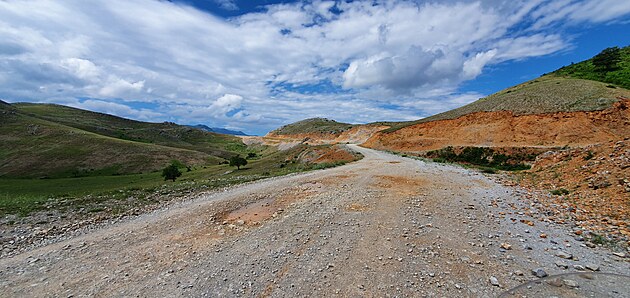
41	140
577	87
547	94
166	133
590	183
576	106
507	129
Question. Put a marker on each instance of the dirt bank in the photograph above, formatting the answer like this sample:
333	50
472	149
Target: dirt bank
355	135
504	129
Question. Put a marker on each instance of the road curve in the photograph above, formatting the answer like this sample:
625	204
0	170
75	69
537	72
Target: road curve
382	226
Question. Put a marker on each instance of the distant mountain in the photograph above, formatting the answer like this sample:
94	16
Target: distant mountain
224	131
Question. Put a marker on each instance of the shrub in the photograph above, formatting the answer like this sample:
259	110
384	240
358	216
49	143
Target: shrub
238	162
171	172
589	155
559	192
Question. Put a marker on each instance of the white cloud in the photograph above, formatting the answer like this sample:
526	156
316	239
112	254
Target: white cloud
473	66
226	104
227	4
414	68
242	71
81	68
116	87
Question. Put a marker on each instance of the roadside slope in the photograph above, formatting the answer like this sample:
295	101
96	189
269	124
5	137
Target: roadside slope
507	129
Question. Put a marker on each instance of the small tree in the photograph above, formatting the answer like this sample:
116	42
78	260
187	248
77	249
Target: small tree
171	172
607	59
237	161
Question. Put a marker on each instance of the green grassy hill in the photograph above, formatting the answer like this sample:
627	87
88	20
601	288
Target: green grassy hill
313	125
51	141
166	134
579	87
619	75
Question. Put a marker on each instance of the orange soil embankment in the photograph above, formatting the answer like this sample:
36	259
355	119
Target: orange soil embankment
355	135
504	129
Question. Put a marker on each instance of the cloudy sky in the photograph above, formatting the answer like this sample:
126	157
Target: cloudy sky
256	65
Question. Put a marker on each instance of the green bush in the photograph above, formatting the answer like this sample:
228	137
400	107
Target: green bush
482	157
238	162
171	172
559	192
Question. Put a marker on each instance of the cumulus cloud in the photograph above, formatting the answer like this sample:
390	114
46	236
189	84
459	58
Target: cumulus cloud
184	60
226	103
414	68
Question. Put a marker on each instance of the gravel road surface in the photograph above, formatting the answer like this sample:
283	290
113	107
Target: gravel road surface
384	226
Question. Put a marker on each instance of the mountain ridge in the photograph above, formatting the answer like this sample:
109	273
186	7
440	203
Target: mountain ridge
220	130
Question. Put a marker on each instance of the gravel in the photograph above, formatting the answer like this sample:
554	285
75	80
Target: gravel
382	226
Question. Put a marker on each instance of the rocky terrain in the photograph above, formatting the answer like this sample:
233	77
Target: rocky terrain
589	186
382	226
65	216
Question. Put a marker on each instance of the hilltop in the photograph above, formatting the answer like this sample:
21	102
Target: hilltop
574	88
597	68
577	87
313	126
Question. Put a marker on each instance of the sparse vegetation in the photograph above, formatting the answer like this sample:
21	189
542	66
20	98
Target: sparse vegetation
326	165
52	141
598	239
23	196
487	159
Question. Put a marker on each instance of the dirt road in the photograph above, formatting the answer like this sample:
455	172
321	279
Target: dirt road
382	226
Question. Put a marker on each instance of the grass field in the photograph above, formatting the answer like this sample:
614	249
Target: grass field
23	196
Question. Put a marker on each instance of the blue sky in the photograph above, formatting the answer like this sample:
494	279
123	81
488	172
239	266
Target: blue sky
257	65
